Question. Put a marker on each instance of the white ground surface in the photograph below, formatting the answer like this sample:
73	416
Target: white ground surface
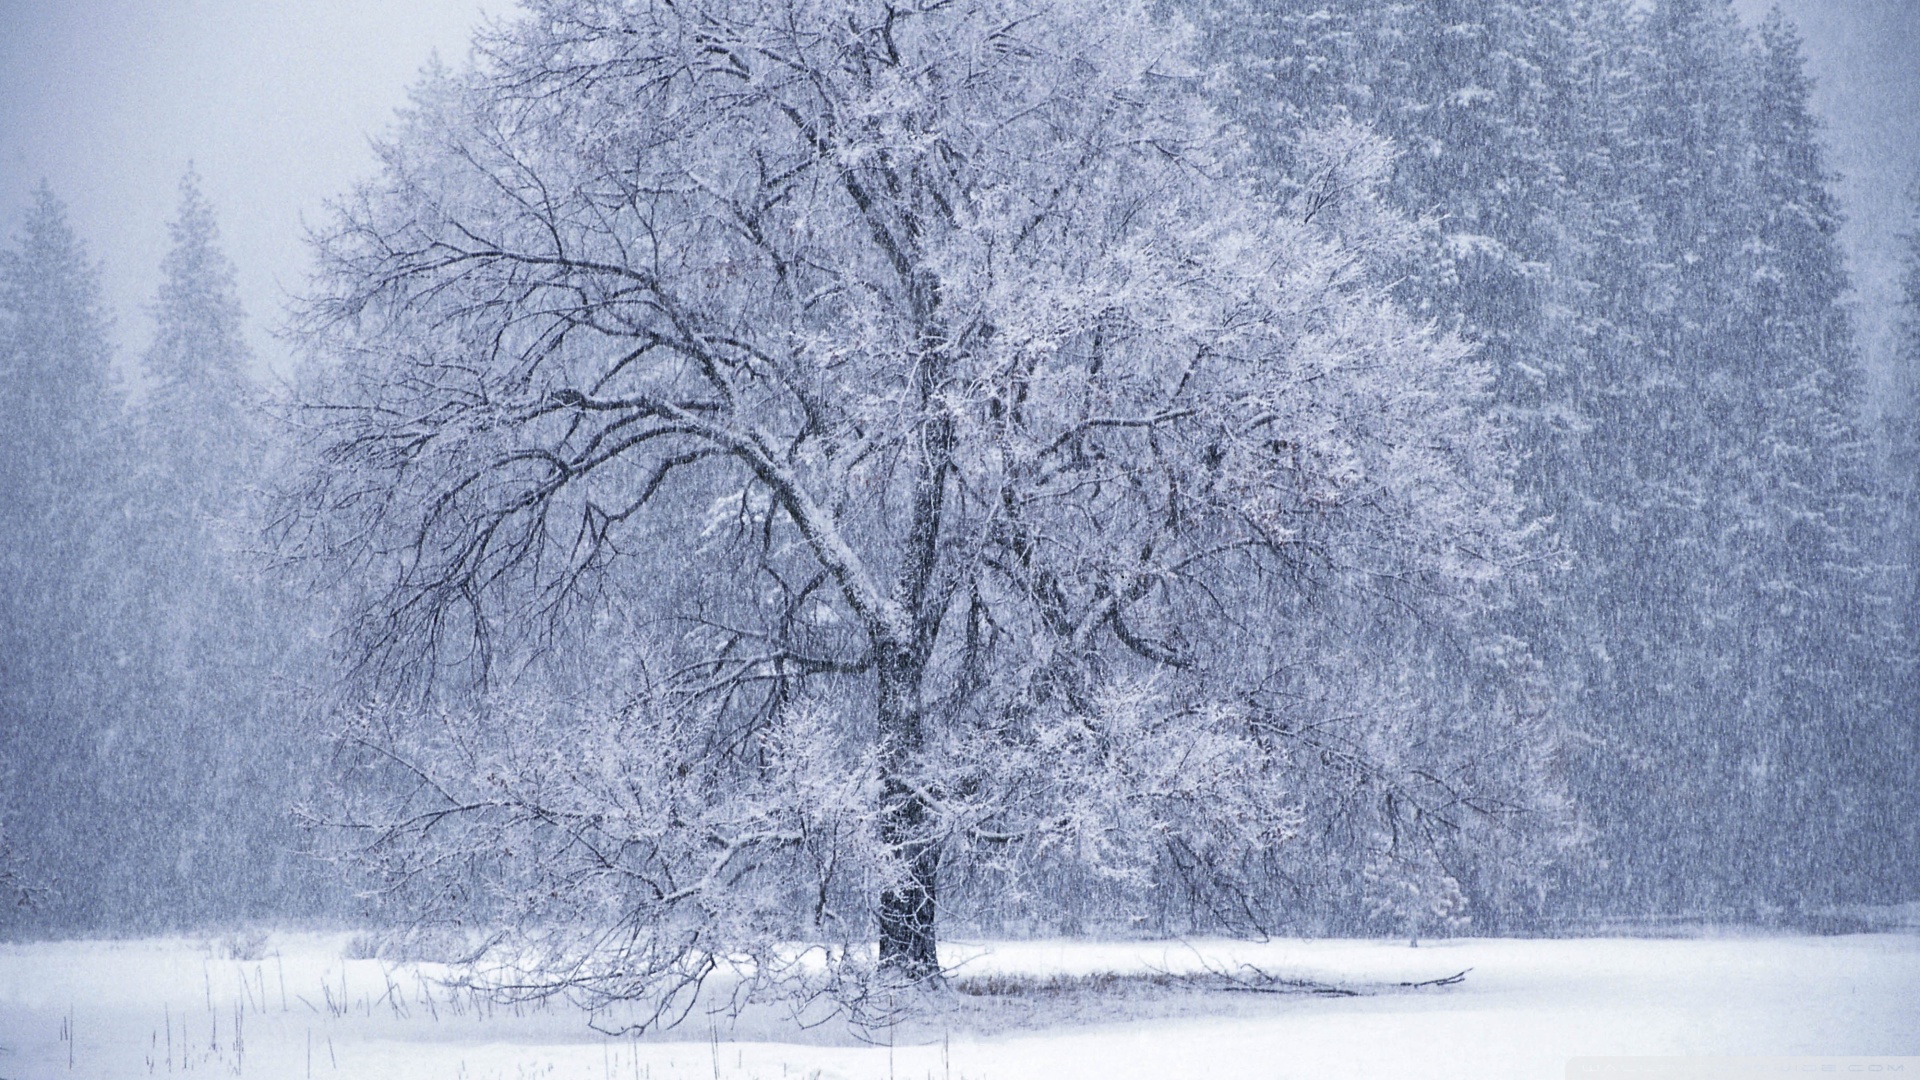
161	1007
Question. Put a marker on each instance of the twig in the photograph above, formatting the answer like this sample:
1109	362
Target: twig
1456	977
1252	980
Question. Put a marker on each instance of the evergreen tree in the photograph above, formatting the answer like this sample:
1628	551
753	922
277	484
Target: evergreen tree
1489	103
1820	621
57	411
206	771
1749	651
1902	544
149	766
1662	703
200	406
1629	215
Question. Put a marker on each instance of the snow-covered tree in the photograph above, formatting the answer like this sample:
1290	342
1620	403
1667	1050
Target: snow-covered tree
201	759
1820	634
56	413
1727	546
152	758
795	465
199	392
1501	111
1902	486
1630	216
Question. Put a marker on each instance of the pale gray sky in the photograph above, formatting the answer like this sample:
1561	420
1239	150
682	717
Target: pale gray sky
274	100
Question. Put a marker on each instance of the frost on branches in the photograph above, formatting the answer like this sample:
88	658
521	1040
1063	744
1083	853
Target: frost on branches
799	468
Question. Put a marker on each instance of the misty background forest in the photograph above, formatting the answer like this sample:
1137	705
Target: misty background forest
861	472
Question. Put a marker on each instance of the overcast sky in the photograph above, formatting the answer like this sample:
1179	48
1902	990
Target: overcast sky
274	101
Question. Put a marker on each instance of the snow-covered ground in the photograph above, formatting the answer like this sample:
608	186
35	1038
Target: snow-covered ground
157	1007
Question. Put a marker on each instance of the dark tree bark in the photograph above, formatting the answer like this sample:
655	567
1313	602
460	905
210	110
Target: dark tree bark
909	944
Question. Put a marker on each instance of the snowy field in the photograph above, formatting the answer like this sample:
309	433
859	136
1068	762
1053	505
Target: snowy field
300	1007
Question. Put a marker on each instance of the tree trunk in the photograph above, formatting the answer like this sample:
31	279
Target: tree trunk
908	945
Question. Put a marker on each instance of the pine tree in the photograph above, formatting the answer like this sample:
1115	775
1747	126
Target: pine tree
201	399
1490	104
204	774
1631	220
151	772
1901	541
56	414
1811	567
1659	702
1730	579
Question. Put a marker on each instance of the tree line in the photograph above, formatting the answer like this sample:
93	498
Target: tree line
152	676
1633	219
1281	465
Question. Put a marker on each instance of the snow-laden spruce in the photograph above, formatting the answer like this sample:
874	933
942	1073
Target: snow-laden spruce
795	463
